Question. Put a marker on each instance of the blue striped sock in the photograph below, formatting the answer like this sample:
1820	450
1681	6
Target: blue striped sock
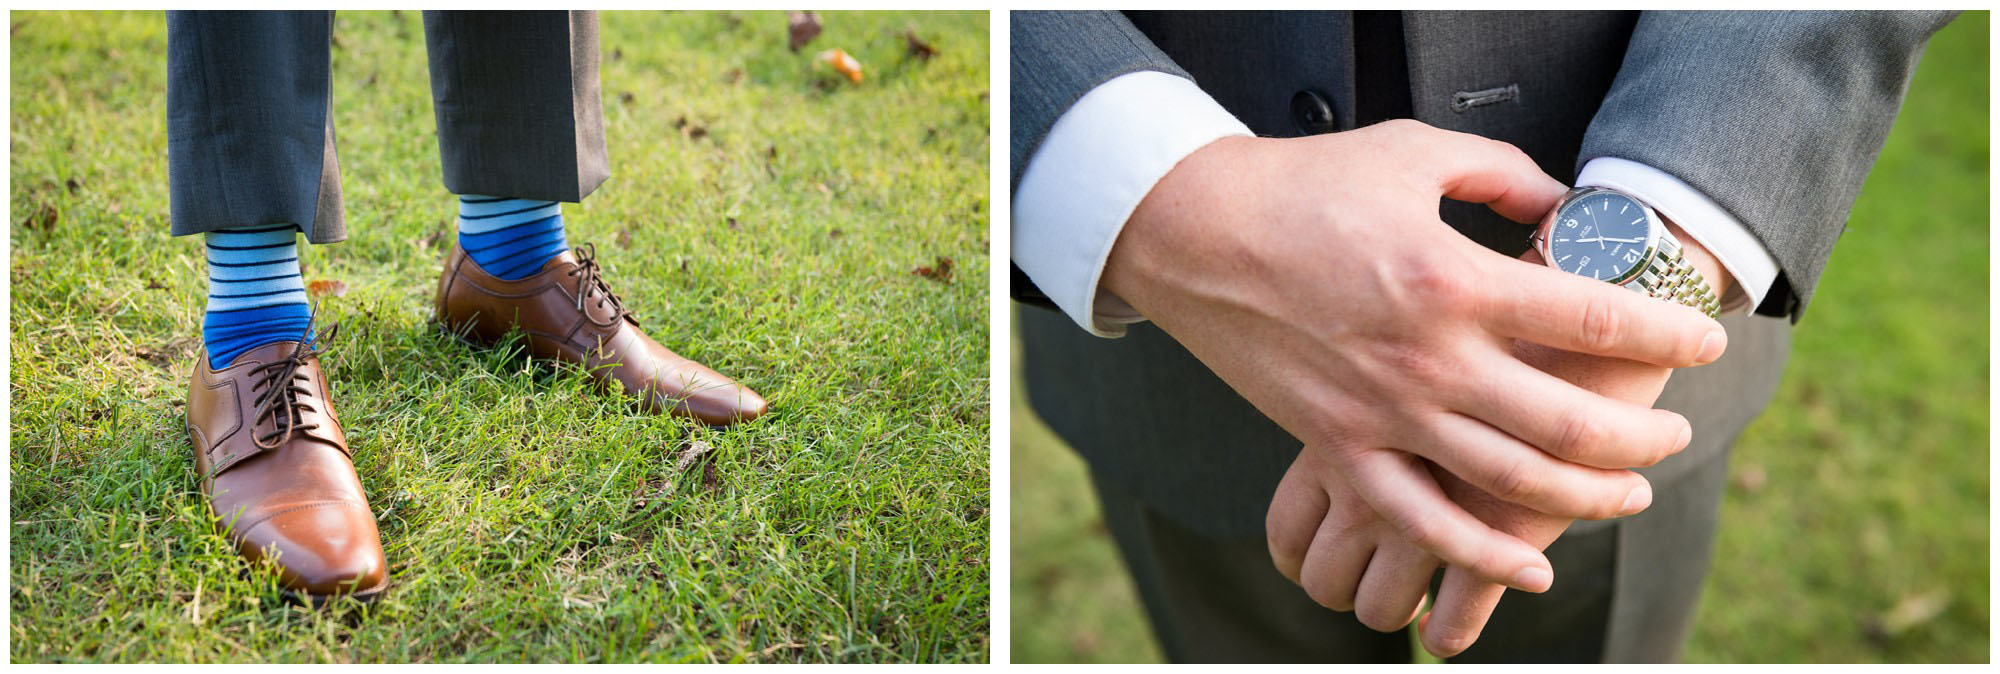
510	238
255	294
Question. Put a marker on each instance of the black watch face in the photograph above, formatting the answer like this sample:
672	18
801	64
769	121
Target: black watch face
1602	236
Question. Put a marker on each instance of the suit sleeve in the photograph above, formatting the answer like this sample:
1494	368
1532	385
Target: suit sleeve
1777	116
1056	58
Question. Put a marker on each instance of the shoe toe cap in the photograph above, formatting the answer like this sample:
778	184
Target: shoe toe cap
322	549
723	405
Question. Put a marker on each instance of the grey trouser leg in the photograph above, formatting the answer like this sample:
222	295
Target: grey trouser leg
518	109
249	137
1220	600
1623	593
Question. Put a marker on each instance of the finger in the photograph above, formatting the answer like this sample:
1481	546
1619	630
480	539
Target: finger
1464	604
1393	588
1573	313
1402	491
1500	465
1333	566
1297	508
1498	174
1568	422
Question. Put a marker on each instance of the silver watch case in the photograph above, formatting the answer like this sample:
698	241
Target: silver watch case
1658	240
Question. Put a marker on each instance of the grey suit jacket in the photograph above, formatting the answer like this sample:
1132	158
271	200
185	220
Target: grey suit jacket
1776	116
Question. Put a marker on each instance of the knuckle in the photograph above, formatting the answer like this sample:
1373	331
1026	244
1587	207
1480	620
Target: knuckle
1454	632
1437	285
1328	593
1379	616
1284	539
1579	438
1518	482
1603	325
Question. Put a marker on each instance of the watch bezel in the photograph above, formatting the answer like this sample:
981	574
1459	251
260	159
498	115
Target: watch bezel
1654	231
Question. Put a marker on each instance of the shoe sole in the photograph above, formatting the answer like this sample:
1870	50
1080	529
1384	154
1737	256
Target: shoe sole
557	366
320	601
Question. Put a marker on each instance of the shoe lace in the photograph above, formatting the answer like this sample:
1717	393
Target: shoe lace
590	282
282	394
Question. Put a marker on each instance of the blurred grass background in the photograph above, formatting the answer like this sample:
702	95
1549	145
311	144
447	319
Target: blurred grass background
1855	527
763	216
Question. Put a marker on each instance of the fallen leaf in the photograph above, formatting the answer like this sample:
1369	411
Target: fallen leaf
939	271
430	240
73	185
694	450
733	76
1751	478
43	217
919	48
326	287
732	225
842	63
154	356
680	122
625	97
1915	610
648	490
695	132
823	189
804	27
624	238
685	458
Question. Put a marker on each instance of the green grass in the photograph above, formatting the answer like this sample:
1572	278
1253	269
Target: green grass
525	516
1866	539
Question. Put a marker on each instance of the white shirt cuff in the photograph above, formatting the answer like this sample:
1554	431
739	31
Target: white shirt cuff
1098	162
1721	233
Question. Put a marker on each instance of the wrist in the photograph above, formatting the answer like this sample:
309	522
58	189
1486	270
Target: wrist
1173	218
1718	277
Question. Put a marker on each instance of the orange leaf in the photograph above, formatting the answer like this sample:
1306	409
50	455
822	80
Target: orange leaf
327	287
843	63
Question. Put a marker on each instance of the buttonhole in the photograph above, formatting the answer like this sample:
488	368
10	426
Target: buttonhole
1466	100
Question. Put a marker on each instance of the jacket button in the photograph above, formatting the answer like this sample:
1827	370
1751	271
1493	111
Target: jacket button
1311	112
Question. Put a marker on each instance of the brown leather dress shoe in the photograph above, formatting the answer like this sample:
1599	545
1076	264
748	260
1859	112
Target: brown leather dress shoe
278	475
568	314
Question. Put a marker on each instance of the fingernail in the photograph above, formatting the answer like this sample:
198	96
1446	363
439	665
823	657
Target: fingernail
1687	436
1711	347
1533	579
1637	500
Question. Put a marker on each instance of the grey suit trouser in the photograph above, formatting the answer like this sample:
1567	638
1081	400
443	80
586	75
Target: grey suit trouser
250	134
1623	593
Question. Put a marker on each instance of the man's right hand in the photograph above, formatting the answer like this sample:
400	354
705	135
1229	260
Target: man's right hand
1314	276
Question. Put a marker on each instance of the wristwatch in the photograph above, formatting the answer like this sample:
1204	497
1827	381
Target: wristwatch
1610	236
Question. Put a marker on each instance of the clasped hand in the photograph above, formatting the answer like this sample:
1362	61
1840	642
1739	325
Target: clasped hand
1314	276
